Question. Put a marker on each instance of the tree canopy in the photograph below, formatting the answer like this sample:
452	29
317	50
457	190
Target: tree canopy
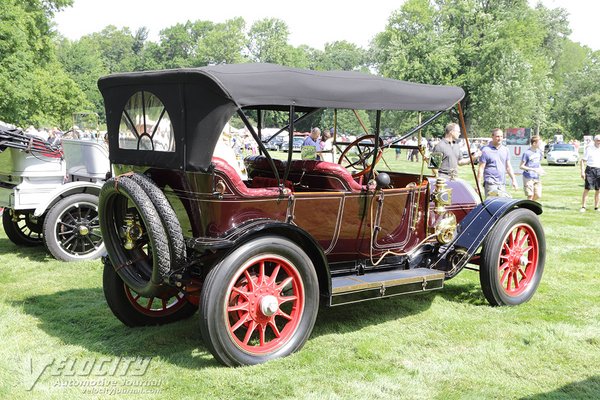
515	62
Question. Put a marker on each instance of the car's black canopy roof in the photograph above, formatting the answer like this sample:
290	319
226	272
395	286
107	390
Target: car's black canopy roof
254	85
200	101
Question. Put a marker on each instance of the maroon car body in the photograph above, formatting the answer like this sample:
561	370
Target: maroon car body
259	252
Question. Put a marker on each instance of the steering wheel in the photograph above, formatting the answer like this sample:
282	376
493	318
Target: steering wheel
362	155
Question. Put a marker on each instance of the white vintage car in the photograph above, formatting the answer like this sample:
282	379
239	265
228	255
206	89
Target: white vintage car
50	193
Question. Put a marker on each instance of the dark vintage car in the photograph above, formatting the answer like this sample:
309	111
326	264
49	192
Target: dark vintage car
258	254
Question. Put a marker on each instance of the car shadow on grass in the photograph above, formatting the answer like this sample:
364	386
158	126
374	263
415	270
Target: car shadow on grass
81	317
34	253
586	389
464	292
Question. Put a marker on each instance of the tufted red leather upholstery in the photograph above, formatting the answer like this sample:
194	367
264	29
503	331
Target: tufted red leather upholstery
236	184
312	167
327	168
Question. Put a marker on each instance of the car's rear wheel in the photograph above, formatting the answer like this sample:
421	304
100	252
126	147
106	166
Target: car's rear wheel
512	260
260	302
22	227
134	309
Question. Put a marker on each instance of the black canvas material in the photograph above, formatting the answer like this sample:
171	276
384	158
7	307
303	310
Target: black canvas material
200	101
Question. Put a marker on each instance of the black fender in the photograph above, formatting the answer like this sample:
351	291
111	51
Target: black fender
253	228
474	228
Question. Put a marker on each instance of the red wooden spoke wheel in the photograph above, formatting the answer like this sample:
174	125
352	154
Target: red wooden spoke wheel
260	302
159	306
266	302
518	259
512	258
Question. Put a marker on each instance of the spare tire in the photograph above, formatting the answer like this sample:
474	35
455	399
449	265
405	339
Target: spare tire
168	217
128	218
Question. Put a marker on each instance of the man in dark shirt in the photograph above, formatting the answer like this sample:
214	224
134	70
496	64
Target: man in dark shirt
451	153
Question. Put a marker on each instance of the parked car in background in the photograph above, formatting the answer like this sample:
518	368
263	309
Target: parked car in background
296	144
276	143
562	154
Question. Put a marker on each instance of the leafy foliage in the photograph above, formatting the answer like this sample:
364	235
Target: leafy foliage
515	62
35	88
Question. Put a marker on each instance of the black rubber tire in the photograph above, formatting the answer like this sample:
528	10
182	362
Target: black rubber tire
70	246
142	273
115	292
29	234
216	294
168	218
494	245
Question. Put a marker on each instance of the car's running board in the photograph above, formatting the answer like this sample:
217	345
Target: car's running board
373	285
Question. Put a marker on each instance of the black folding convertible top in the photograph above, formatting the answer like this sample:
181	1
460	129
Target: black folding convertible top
200	101
250	85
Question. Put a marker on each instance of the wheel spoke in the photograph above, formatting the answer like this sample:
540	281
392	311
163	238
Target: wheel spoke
504	275
285	299
240	322
509	280
516	280
241	292
68	240
249	332
238	307
274	274
284	315
523	274
150	301
274	328
261	333
261	273
284	283
251	283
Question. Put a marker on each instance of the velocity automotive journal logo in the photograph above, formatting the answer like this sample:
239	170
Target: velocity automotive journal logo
101	375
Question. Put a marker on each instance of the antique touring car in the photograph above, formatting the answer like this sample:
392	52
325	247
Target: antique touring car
258	253
50	193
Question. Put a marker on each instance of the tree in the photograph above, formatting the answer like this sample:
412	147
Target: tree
342	55
500	52
35	89
578	103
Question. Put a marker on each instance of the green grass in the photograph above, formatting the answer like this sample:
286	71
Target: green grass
444	345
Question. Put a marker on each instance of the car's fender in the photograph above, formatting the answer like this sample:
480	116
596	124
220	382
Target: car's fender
251	229
66	190
474	228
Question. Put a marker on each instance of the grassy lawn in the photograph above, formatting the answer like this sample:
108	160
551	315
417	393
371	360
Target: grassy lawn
444	345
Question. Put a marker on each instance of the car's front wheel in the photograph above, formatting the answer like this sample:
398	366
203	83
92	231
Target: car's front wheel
512	259
260	302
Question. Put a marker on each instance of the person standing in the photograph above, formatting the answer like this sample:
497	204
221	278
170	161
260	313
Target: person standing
327	146
494	164
590	172
532	170
312	141
451	153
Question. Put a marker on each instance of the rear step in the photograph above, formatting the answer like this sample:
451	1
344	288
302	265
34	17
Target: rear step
374	285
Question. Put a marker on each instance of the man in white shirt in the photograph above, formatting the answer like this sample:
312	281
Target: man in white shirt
590	172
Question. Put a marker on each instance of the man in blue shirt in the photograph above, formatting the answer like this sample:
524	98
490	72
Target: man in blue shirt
532	170
314	140
494	164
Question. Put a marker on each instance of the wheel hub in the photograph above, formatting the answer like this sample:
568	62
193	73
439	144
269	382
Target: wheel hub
83	230
269	305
